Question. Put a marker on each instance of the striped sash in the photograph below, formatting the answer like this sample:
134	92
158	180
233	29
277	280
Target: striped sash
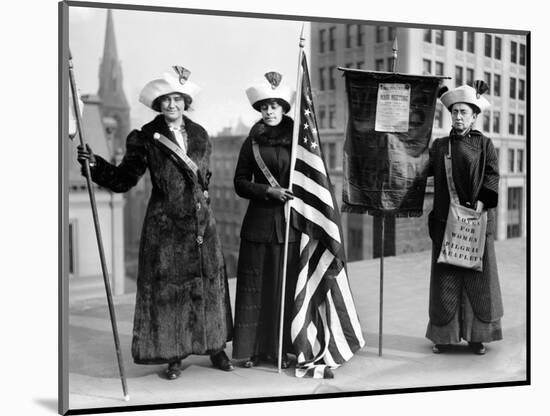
178	151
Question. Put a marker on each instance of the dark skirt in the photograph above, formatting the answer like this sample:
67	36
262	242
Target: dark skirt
258	300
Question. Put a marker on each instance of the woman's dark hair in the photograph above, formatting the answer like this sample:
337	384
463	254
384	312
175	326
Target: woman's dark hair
186	99
258	105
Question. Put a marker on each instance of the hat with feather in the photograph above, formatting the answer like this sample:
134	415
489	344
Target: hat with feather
174	81
270	88
466	94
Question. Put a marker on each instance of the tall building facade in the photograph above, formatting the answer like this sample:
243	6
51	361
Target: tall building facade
499	59
114	105
228	207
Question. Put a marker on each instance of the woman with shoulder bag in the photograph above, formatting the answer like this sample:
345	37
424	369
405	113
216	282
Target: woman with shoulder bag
465	303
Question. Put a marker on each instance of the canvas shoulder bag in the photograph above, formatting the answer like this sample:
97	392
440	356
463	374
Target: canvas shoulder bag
464	239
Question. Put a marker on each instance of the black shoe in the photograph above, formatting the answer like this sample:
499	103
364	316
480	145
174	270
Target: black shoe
221	361
173	371
438	348
477	348
252	362
285	361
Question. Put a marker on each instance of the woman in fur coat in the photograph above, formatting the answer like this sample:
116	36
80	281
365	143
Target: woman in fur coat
182	302
262	176
464	304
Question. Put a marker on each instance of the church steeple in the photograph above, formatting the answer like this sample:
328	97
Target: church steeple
113	100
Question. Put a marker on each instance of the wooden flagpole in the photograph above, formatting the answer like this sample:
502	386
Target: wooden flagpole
382	238
98	231
289	202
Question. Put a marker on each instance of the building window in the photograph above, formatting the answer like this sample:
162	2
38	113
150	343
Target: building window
332	82
486	121
470	42
322	116
379	34
331	116
322	79
496	85
520	160
331	155
440	37
439	68
360	64
512	88
426	66
513	52
488	45
391	33
470	77
438	117
322	40
460	41
511	161
513	228
487	78
521	89
512	124
379	65
331	40
522	54
496	122
428	35
459	75
498	47
359	35
348	36
521	120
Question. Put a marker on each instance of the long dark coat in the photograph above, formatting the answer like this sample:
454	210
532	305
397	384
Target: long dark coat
182	301
447	281
259	271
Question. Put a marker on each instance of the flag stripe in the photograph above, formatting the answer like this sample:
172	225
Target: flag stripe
320	179
315	216
315	188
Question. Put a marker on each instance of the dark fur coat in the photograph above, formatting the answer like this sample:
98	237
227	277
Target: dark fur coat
447	282
182	301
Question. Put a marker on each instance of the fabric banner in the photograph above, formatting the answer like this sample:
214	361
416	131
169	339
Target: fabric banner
386	147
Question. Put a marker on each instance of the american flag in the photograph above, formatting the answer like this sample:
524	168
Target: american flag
325	330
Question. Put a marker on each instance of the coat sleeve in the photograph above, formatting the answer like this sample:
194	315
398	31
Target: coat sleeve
123	177
489	190
244	186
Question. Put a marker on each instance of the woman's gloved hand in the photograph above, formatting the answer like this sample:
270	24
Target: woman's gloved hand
85	154
279	194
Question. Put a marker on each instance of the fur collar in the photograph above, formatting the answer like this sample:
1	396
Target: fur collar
280	135
197	138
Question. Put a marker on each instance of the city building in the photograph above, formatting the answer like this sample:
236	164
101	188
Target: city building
114	104
85	274
499	59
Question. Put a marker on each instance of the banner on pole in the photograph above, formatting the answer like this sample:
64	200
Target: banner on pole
386	147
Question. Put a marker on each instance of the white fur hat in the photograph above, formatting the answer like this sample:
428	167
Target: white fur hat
270	88
468	95
176	81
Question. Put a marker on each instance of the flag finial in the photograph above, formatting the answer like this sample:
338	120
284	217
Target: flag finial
183	73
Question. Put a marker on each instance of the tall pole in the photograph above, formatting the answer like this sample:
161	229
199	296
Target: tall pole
381	300
87	174
289	202
394	49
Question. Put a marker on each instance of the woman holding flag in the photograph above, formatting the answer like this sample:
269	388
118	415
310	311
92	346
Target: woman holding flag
262	176
182	301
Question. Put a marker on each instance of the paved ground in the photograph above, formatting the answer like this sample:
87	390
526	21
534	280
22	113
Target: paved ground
407	360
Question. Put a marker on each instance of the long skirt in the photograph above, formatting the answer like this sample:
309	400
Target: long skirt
258	299
464	325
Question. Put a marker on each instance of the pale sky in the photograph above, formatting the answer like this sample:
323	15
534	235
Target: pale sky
224	54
